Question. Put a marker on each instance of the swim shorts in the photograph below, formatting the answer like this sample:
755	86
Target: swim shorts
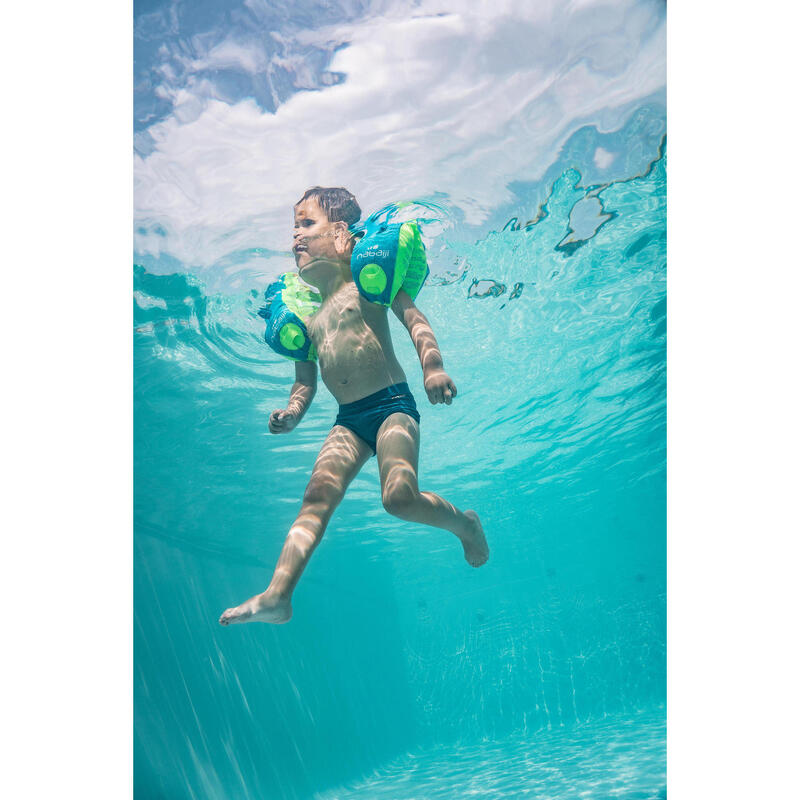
366	415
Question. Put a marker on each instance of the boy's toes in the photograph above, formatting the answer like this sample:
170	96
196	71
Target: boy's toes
478	559
229	616
476	548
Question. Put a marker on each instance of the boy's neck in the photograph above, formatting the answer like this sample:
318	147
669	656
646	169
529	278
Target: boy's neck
329	281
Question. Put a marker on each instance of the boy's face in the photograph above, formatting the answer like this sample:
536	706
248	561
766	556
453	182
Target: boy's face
317	240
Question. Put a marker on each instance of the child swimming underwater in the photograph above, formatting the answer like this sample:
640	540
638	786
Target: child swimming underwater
377	412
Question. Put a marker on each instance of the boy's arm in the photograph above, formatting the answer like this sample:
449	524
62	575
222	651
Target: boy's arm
438	385
303	391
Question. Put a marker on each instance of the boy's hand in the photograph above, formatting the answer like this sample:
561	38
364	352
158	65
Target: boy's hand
440	387
282	421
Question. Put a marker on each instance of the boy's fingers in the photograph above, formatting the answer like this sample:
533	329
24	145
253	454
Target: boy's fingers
276	421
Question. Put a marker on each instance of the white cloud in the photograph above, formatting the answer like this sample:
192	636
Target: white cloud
229	54
602	158
459	102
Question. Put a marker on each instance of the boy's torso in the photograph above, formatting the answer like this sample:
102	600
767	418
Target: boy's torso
354	346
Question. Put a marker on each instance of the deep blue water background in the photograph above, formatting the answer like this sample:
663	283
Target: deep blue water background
398	649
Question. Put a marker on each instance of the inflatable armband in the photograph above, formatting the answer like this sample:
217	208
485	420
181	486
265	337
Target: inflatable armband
389	257
289	303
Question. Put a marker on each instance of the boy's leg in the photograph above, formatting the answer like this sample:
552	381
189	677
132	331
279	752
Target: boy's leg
341	457
398	459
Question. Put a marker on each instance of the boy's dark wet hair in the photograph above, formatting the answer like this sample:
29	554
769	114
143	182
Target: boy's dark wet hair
337	203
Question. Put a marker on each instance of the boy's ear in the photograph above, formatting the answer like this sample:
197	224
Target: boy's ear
342	236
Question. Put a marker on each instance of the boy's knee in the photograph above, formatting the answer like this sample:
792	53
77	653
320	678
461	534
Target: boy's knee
323	490
399	501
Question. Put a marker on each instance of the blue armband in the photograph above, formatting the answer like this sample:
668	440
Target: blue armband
288	304
389	257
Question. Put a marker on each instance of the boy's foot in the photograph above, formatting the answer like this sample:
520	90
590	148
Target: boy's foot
476	549
264	607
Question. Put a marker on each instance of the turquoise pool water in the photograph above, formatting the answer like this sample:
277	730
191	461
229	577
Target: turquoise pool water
532	138
404	672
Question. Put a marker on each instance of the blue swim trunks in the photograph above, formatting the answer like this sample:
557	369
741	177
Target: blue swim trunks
366	415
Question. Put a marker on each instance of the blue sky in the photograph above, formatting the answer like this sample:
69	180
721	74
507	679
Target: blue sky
228	50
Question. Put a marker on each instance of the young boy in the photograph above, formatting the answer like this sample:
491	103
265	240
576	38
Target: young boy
377	413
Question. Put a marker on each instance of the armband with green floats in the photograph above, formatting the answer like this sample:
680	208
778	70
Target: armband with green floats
389	257
288	304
